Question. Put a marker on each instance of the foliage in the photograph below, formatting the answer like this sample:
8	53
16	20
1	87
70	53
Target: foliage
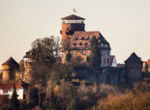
137	98
4	103
45	51
95	58
127	101
44	54
14	101
68	56
71	105
40	75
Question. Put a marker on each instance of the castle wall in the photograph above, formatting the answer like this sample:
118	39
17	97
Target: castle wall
134	72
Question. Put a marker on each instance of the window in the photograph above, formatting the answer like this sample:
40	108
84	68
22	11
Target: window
86	43
107	60
75	44
80	43
5	91
76	38
104	61
82	38
87	38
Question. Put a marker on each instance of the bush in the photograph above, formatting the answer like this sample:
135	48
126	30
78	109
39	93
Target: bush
136	99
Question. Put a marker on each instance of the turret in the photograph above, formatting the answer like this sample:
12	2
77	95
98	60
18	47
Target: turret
27	66
9	68
133	68
70	24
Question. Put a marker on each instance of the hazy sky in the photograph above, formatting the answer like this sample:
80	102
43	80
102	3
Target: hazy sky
124	23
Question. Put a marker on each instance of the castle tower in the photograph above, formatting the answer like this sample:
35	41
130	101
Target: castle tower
9	68
133	68
27	66
70	24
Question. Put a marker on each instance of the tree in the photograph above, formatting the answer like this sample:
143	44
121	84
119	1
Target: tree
66	48
44	54
45	51
95	58
4	103
71	105
14	101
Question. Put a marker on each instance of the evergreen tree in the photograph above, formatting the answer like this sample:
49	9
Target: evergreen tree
44	54
95	58
14	100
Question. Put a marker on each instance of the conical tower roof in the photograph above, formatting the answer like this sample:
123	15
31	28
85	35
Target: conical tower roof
12	63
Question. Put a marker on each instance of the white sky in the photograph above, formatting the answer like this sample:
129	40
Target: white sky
124	23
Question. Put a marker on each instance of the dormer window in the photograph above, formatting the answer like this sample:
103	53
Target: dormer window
80	43
82	38
86	43
75	44
76	38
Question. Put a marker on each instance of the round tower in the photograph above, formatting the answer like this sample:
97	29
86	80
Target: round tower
70	24
9	69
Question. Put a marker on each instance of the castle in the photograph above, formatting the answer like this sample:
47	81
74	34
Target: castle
77	42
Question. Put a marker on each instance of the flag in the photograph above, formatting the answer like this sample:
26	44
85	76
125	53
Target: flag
74	10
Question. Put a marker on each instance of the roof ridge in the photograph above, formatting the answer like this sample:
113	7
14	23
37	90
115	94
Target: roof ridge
11	62
73	16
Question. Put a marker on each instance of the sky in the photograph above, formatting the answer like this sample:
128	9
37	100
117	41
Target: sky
124	23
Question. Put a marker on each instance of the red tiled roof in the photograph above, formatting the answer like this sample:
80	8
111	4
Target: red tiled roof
148	62
82	39
72	17
10	85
